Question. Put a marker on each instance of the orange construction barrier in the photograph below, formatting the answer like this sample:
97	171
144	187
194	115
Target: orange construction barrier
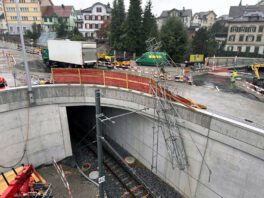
117	79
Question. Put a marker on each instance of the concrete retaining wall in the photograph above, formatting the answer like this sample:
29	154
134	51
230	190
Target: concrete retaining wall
231	150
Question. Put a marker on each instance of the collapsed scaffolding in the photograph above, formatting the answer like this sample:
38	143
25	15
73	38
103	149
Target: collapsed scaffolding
165	117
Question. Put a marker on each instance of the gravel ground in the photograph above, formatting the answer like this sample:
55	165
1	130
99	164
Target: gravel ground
79	186
157	186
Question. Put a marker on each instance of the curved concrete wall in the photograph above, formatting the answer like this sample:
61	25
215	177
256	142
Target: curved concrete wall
232	150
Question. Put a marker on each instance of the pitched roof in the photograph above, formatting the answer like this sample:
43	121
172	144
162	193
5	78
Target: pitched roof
182	13
202	15
46	3
239	11
60	11
89	10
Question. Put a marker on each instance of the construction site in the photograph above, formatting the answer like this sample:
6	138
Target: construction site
103	126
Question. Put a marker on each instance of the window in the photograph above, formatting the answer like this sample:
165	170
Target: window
99	18
35	18
96	18
250	38
11	29
230	48
14	18
90	26
24	29
80	25
241	37
50	19
12	1
86	17
24	18
259	38
22	1
96	26
35	9
261	28
239	48
24	9
90	17
247	49
256	50
10	9
98	9
232	38
45	19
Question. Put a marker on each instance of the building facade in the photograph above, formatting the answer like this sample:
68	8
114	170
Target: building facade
204	19
3	25
91	19
185	15
245	35
246	29
52	14
30	13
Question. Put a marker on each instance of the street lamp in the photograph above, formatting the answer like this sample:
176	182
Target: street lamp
30	94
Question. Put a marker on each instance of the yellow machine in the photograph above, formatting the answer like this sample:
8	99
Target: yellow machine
258	80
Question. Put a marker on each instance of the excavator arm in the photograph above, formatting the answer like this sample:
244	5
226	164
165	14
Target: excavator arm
255	68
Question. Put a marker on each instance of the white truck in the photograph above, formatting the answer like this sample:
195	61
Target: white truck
66	53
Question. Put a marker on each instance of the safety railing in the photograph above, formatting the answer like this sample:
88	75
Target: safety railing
116	79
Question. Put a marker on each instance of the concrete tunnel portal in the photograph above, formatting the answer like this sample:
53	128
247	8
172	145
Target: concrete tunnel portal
82	127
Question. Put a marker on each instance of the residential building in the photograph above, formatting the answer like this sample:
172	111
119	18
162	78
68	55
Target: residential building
91	19
185	15
3	25
52	14
241	10
30	13
246	30
204	19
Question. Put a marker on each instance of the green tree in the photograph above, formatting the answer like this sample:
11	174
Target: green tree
150	28
204	42
116	28
133	38
35	33
61	28
174	39
219	28
76	35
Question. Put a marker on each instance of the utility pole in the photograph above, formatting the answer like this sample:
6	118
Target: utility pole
101	178
30	94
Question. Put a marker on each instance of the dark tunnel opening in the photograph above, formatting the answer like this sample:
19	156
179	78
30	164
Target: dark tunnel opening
82	126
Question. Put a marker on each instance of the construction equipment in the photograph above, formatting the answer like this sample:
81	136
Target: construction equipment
123	63
104	60
3	83
24	182
258	81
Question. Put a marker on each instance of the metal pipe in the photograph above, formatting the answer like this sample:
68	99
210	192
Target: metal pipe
101	178
3	175
24	52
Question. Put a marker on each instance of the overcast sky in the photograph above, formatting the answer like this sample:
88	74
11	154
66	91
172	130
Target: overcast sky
219	6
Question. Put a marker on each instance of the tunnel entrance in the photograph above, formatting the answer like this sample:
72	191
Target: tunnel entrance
121	178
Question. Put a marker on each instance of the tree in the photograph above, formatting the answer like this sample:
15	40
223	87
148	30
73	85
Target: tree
204	42
35	33
150	28
118	18
174	39
219	28
103	32
61	28
133	38
76	35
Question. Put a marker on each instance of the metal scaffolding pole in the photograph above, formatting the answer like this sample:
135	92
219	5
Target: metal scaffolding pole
101	178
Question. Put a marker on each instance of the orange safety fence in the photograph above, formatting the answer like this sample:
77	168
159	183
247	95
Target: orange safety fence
117	79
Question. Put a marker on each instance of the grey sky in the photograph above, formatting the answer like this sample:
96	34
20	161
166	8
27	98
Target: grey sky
219	6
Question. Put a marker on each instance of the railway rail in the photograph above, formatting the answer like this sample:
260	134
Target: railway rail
133	186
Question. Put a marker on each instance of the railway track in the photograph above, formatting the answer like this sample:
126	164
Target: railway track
133	186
